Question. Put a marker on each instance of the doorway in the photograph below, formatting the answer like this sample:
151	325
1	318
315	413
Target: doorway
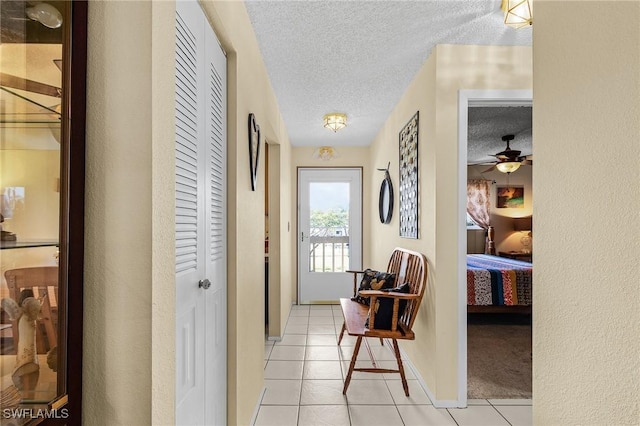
467	98
329	232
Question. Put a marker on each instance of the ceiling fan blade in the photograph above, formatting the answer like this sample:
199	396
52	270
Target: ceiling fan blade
527	162
14	82
490	169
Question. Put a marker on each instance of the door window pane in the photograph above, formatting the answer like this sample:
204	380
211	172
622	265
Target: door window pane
329	226
31	56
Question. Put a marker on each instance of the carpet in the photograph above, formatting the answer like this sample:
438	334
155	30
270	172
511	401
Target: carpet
498	357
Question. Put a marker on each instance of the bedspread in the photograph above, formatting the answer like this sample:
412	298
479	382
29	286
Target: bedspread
493	280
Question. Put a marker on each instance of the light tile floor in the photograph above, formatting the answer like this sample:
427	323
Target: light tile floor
305	371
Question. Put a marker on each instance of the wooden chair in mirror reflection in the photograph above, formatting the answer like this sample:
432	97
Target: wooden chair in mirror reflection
40	282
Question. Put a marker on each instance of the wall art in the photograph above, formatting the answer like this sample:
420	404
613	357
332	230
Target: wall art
510	197
254	150
409	179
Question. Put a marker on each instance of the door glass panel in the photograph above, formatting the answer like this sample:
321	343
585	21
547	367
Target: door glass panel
329	226
31	54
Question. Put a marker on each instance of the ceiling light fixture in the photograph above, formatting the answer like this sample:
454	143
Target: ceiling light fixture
46	14
517	13
325	153
508	166
335	121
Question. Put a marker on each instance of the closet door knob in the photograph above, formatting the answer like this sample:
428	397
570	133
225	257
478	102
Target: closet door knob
205	284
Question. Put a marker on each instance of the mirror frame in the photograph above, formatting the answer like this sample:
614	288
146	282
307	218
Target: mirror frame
386	187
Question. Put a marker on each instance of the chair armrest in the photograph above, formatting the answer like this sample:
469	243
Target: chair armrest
390	294
355	280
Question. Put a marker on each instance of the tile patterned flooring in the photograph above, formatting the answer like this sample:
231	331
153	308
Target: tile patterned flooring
304	375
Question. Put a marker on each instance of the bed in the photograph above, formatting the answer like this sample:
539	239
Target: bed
498	284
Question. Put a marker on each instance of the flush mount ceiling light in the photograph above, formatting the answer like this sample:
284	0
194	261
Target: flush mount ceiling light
517	13
508	166
46	14
325	153
335	121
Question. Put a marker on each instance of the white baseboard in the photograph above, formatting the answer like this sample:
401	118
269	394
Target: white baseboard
437	403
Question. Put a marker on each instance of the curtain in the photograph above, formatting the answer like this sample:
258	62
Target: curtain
478	205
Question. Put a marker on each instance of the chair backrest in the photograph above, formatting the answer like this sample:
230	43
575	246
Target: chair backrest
43	282
409	267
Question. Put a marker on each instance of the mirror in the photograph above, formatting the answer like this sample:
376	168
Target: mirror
385	200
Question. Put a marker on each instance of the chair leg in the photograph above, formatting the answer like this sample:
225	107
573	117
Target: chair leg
381	341
344	327
400	367
356	349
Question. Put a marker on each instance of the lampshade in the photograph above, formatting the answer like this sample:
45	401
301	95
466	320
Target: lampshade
335	121
508	166
522	223
517	13
46	14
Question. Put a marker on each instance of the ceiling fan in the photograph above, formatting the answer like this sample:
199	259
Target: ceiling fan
509	160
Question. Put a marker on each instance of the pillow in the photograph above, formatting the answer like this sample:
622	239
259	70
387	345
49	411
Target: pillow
384	308
374	280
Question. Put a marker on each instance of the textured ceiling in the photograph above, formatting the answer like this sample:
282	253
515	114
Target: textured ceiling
358	57
486	127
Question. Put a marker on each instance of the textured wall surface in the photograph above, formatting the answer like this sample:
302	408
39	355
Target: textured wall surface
586	179
117	281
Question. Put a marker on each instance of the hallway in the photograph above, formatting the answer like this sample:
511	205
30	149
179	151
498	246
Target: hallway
304	375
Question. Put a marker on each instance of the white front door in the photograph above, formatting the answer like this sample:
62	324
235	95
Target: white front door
329	233
200	220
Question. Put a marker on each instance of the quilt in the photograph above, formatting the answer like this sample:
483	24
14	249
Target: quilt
493	280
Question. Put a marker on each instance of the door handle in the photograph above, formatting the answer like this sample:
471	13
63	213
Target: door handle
205	284
302	239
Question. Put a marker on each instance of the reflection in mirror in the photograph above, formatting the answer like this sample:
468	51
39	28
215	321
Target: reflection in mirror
31	92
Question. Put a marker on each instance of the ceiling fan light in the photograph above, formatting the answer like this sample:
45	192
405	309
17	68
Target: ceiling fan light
517	13
46	14
335	121
508	166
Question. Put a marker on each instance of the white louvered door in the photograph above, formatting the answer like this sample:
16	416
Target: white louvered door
200	220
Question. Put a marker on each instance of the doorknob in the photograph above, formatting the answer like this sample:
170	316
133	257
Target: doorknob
205	284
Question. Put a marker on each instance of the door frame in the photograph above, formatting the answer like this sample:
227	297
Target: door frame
297	245
467	98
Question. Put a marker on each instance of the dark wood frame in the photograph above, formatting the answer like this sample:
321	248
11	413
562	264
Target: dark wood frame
72	181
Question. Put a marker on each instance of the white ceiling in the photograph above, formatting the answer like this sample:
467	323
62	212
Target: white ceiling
358	57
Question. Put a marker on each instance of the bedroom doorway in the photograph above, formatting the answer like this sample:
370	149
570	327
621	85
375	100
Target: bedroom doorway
475	105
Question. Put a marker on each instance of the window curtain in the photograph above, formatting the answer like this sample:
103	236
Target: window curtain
478	205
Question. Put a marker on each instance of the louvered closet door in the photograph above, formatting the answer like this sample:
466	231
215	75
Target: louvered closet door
200	220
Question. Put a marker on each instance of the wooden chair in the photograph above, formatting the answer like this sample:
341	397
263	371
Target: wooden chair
409	267
43	282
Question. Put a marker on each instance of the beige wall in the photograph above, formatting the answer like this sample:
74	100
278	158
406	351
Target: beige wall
129	273
586	126
434	93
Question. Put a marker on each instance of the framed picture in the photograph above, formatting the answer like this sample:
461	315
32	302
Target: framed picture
409	179
254	150
510	197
